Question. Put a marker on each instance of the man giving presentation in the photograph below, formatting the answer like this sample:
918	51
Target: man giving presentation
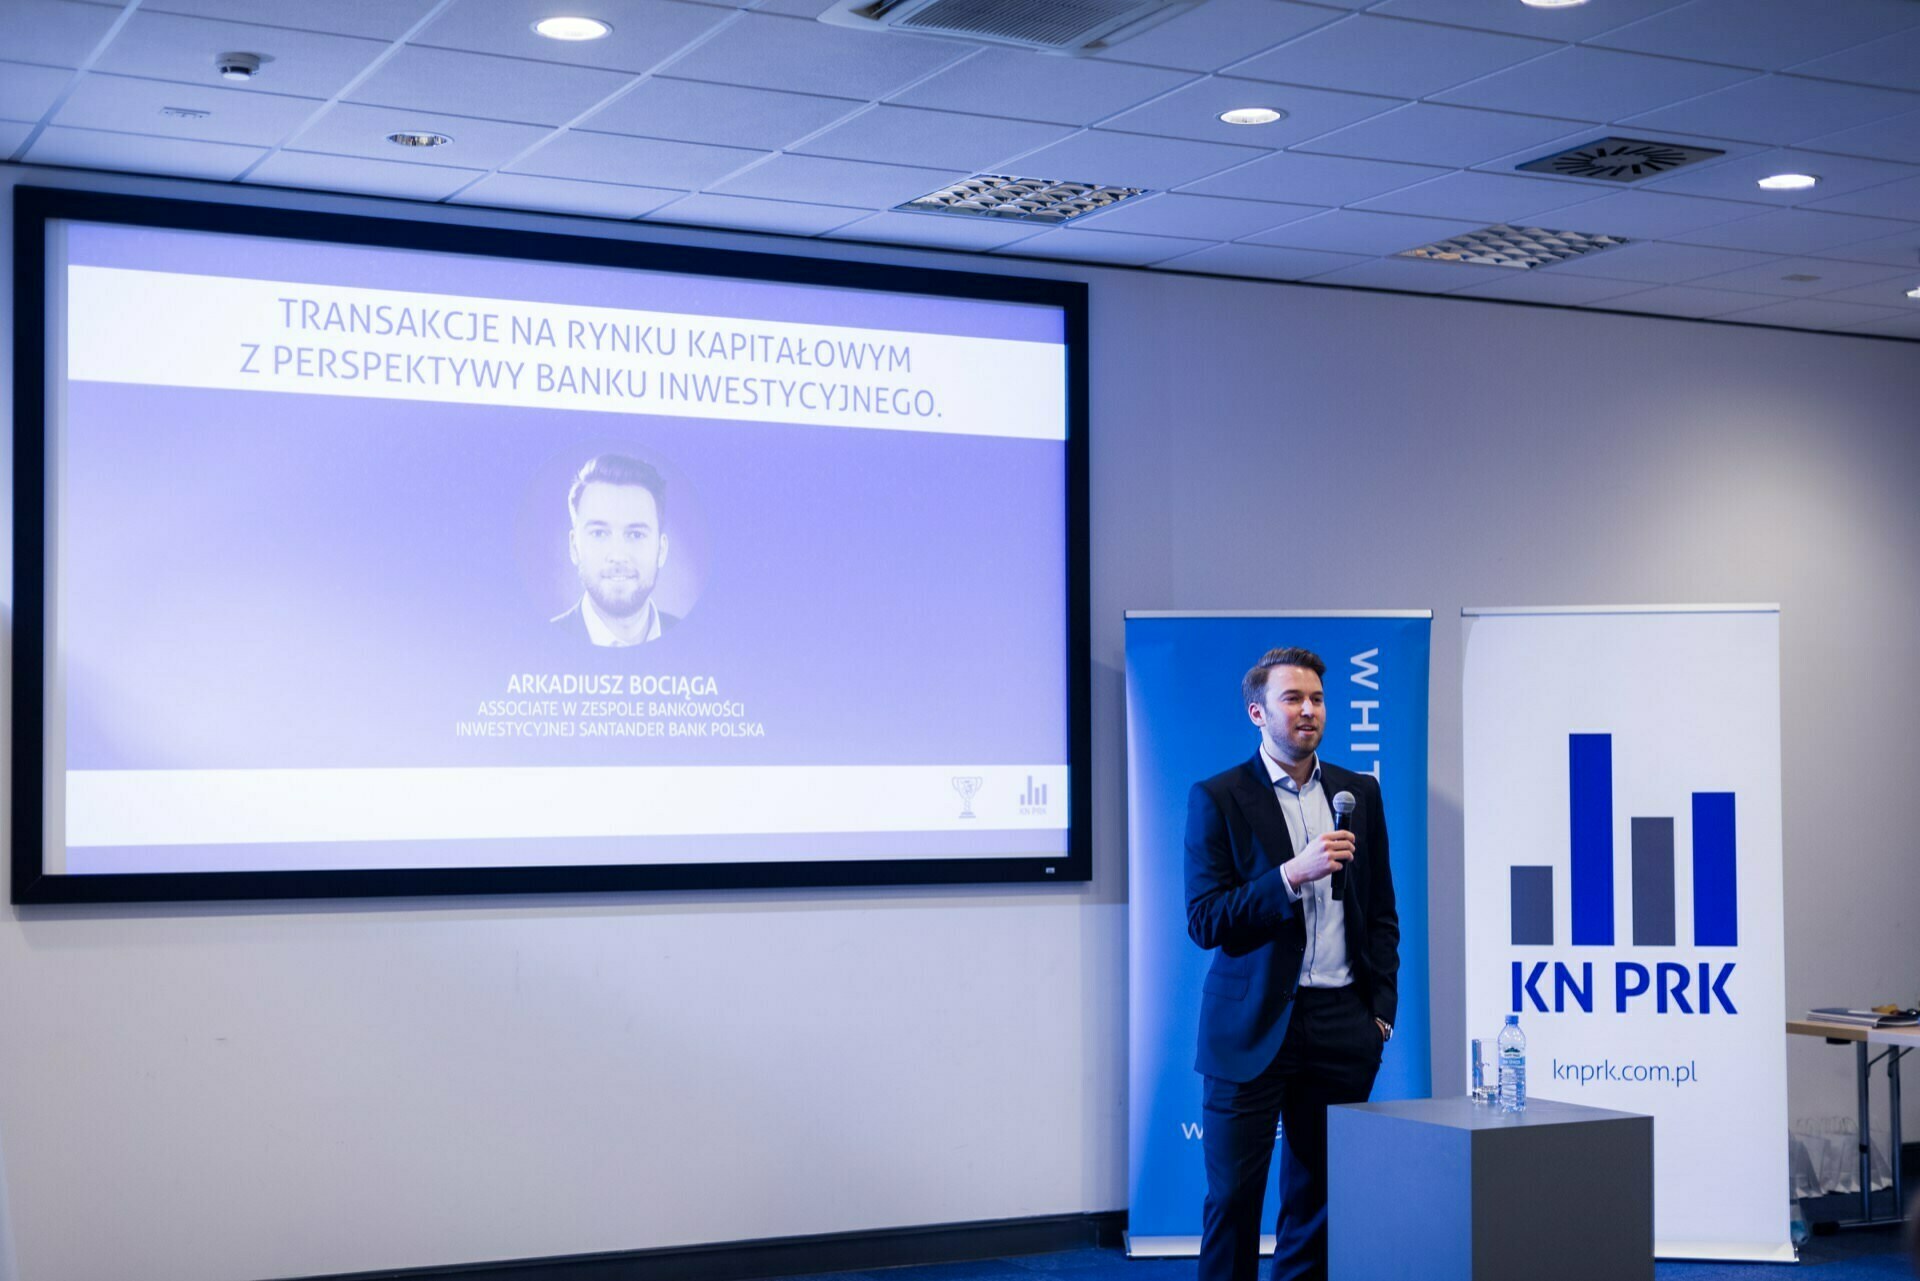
1299	1000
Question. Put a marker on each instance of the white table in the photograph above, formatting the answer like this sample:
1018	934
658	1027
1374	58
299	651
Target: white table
1898	1041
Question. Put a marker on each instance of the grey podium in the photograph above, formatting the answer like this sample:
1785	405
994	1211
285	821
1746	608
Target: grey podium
1451	1190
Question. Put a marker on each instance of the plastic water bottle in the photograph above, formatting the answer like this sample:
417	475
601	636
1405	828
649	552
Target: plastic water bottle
1512	1049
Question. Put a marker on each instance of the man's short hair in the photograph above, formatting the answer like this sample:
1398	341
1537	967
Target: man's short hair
619	469
1253	686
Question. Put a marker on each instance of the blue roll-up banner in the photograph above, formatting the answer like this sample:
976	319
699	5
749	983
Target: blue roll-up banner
1185	722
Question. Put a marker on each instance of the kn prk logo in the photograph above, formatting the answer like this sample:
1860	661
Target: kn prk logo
1670	986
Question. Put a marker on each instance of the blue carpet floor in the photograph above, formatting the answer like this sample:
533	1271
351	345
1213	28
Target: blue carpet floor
1861	1256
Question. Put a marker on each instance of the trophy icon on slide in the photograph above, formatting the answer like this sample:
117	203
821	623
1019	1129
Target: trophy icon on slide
968	789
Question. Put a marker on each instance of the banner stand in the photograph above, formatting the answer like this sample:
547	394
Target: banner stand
1623	888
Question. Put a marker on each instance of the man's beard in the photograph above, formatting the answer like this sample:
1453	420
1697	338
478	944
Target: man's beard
619	597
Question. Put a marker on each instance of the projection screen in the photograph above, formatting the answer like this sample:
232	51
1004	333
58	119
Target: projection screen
361	556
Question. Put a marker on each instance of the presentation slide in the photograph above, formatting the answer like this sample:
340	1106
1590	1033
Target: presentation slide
374	558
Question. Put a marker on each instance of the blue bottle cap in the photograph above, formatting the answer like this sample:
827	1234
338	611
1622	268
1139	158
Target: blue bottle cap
1513	1019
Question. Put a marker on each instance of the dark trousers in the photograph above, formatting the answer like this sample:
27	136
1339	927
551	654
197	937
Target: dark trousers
1331	1054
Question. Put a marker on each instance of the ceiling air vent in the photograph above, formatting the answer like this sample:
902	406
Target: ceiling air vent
1047	26
1519	247
1043	200
1620	159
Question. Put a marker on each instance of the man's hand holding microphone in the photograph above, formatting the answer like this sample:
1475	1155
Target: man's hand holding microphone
1324	855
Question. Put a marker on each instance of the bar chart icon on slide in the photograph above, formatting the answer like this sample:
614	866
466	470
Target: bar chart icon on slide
1590	809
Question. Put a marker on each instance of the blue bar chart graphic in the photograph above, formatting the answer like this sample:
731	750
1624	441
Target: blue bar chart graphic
1652	865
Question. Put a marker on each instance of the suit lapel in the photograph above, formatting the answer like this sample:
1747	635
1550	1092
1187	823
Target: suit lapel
1262	809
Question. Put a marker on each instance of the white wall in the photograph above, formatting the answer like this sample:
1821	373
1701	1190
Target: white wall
239	1092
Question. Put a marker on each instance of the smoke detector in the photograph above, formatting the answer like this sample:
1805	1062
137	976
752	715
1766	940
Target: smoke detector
1620	159
237	66
1072	27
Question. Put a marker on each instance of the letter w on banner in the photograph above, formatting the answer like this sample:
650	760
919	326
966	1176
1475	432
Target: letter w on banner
1623	889
1186	722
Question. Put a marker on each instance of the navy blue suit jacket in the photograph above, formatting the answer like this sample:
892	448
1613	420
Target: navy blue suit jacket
1238	906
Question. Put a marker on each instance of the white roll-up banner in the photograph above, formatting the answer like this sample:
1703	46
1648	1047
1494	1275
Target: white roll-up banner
1623	889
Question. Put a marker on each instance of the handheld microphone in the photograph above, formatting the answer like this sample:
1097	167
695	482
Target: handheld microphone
1343	804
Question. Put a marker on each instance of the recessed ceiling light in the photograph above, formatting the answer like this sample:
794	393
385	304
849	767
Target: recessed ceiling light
1914	293
1788	182
1252	116
408	138
570	28
1552	4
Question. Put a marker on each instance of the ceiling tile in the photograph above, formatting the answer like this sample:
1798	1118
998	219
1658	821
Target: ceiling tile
233	115
739	213
351	130
1905	327
1261	261
1684	300
946	139
1736	177
94	149
1132	160
1209	36
1817	313
1194	112
1895	138
1644	215
1427	133
1069	244
1888	291
1771	277
764	51
1778	109
1573	24
1594	84
473	84
1660	262
1201	217
1549	286
376	19
57	33
27	93
1899	199
1483	197
645	32
1901	249
1790	231
808	9
1298	178
1387	56
565	195
817	180
1761	33
1892	62
405	179
1076	91
12	134
723	115
301	64
1415	275
650	162
938	231
1352	232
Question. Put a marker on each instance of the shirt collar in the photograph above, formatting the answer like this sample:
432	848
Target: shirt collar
600	634
1280	777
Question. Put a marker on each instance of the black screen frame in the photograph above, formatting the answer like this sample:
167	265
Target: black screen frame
36	207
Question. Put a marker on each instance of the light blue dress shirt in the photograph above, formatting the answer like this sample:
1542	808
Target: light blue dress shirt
1309	815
